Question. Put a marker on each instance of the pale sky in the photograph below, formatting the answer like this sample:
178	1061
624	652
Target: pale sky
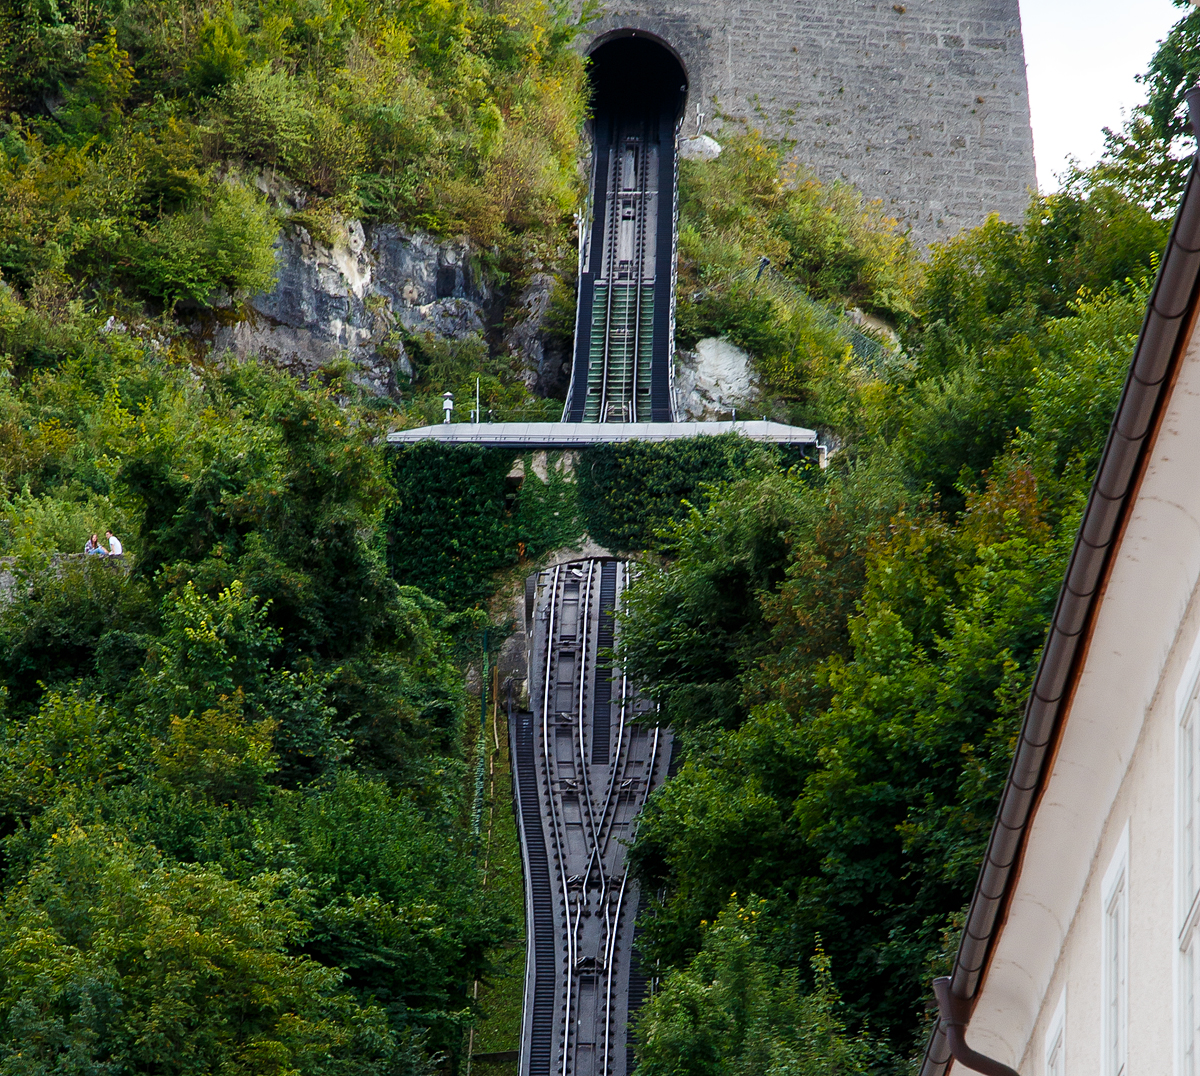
1081	57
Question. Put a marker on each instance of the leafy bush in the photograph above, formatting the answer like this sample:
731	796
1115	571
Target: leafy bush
630	492
1000	279
756	201
733	1011
219	754
69	620
268	118
451	118
225	244
117	957
756	205
135	213
70	744
458	521
34	525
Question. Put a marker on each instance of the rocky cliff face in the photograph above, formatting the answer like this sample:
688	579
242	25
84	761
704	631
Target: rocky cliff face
713	381
353	296
545	359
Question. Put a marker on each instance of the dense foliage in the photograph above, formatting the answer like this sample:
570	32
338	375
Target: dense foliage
231	790
734	1012
235	810
845	655
629	493
755	209
464	515
235	806
459	519
846	663
149	149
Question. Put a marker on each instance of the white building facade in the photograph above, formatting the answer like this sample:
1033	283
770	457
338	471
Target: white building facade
1082	951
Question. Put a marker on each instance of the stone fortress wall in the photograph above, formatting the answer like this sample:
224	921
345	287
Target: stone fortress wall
922	104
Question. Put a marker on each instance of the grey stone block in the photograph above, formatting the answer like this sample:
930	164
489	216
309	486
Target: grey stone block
881	97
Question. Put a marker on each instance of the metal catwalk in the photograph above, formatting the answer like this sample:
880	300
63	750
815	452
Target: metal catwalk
585	760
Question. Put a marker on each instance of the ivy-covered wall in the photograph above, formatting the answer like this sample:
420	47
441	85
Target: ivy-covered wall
459	519
627	493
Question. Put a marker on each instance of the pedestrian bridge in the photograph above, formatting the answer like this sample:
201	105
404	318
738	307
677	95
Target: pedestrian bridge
524	435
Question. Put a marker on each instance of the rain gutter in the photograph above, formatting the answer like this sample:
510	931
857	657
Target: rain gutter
1156	359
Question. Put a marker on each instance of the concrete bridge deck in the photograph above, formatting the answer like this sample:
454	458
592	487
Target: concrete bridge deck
522	435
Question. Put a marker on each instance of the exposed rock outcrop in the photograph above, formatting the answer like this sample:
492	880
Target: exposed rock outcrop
700	148
352	296
545	358
712	381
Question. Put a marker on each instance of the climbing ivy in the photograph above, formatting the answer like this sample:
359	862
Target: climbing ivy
629	492
464	513
459	518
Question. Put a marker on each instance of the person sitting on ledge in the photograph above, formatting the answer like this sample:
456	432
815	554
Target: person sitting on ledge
92	547
115	549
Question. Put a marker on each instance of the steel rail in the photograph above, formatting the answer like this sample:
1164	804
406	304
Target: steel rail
609	263
591	865
640	798
546	763
640	193
614	777
614	923
583	638
610	956
643	198
618	767
618	760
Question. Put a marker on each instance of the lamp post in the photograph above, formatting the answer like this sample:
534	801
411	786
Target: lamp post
447	405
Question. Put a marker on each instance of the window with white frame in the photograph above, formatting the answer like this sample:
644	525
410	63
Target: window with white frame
1187	1007
1114	971
1189	807
1056	1039
1187	866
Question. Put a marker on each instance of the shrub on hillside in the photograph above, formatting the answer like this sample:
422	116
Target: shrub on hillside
450	118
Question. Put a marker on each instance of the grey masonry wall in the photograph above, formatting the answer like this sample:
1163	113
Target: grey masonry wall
922	104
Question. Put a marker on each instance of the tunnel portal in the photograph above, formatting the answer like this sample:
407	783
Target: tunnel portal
624	319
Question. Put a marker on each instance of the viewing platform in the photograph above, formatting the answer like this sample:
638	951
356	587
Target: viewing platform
521	435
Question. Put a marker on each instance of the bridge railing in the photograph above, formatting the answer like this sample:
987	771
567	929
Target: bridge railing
548	411
431	413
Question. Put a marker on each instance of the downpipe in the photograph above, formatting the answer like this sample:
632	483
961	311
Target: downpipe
955	1014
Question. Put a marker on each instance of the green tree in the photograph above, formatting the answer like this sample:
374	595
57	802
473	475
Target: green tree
114	959
71	620
1149	157
732	1010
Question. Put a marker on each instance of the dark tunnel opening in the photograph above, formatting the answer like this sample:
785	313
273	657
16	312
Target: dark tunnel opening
636	74
623	339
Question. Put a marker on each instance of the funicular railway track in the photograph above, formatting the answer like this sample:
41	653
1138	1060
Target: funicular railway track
624	321
621	339
586	758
